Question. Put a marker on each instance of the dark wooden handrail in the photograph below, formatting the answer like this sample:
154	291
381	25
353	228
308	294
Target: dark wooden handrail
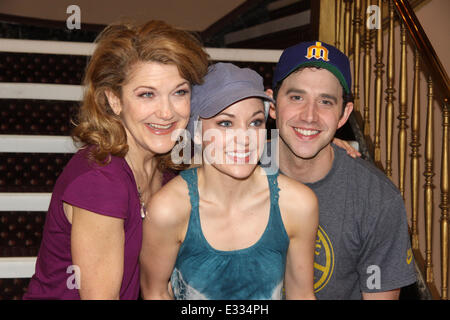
426	50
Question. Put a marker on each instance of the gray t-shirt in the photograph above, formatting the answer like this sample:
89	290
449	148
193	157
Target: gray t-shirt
363	242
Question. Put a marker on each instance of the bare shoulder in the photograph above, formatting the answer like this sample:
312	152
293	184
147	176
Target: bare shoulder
169	206
298	204
295	193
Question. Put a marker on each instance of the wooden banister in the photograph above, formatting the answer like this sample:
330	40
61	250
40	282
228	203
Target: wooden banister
426	50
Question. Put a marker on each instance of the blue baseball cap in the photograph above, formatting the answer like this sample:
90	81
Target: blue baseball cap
314	54
224	85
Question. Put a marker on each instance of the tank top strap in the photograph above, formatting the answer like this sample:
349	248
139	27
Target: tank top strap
190	176
277	237
273	186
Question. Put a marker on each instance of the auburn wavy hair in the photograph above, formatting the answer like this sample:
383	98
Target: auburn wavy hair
118	48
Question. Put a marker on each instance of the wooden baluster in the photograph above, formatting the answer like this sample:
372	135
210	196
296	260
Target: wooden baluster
347	19
378	87
337	22
415	144
403	112
428	192
356	52
444	201
352	28
390	92
367	73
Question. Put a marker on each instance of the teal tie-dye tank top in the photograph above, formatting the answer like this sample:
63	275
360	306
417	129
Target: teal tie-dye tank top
256	272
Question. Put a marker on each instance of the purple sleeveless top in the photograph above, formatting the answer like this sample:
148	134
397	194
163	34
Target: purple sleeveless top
107	190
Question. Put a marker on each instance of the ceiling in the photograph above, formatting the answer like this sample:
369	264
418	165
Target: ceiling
193	15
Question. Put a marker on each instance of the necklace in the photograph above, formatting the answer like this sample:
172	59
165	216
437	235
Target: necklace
143	209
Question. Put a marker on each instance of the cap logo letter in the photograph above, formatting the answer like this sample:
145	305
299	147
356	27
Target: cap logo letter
317	52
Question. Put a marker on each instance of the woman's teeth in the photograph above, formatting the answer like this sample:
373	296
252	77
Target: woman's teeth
159	126
239	154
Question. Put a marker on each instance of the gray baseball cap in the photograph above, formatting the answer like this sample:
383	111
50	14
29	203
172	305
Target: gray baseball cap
224	85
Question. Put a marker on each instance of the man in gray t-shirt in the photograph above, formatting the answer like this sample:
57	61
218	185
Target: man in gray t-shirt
363	243
362	248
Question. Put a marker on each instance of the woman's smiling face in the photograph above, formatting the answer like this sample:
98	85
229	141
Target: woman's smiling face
233	140
155	102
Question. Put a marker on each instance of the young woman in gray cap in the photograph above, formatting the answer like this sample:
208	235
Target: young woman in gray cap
227	230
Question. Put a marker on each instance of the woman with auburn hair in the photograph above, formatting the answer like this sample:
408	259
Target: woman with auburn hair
137	93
